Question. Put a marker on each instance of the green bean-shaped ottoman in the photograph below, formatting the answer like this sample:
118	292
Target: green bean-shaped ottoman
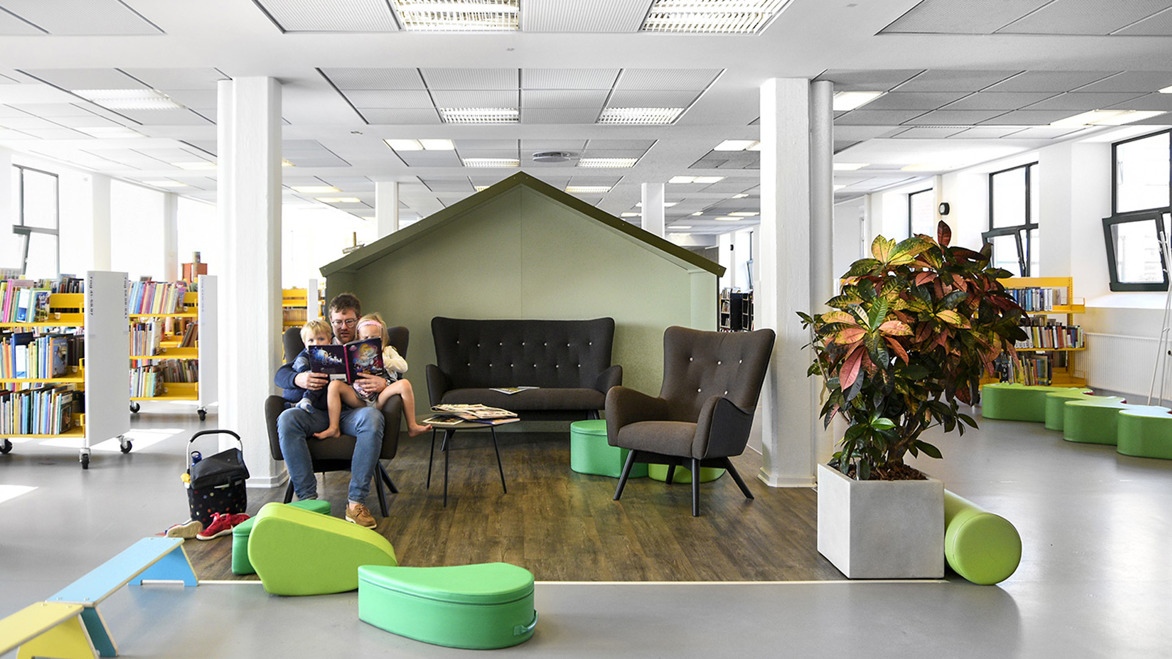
298	552
241	532
591	454
1010	401
1056	405
978	545
1092	421
1145	432
479	607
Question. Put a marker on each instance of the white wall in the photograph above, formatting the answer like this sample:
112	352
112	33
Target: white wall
313	237
850	218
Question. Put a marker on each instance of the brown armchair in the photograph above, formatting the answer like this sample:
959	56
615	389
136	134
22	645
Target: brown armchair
702	417
334	454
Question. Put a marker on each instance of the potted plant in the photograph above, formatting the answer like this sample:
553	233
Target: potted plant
905	344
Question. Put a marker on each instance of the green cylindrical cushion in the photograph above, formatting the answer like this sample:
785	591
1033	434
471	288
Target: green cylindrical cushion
683	474
1056	405
591	454
240	533
1016	402
1092	421
979	546
1145	432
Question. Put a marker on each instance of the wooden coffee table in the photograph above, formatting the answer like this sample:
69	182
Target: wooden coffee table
449	435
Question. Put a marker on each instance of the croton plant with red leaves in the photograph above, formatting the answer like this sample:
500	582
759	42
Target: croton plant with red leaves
905	343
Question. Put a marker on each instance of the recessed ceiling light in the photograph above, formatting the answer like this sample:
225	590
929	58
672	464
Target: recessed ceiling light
697	213
711	16
839	187
1106	118
1166	90
848	166
197	165
368	218
666	204
491	162
681	226
110	132
755	146
695	179
734	145
607	162
632	215
846	101
339	200
480	115
588	189
313	189
286	163
741	195
727	219
166	184
129	99
404	145
457	15
481	188
437	145
744	213
928	167
639	116
709	179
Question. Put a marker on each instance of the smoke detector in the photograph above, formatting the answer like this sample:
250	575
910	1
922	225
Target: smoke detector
553	156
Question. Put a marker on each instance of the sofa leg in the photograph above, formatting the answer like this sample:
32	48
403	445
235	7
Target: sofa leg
732	471
671	474
695	487
626	472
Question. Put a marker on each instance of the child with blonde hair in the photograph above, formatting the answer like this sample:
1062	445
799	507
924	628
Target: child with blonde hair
371	326
316	332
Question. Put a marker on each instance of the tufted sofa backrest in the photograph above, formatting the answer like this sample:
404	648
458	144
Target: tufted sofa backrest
505	353
698	365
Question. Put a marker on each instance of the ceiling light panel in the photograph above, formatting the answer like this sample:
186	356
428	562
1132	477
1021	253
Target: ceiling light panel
491	162
669	79
129	99
639	116
734	145
430	158
82	17
479	115
568	78
607	162
313	189
592	16
712	16
457	15
356	78
330	15
588	189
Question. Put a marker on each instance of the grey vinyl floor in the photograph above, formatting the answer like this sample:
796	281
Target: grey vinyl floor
1095	578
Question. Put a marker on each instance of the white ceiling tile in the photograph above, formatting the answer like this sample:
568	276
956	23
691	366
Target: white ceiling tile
471	78
166	117
193	98
552	145
1084	17
996	100
568	78
430	158
476	98
676	79
86	78
347	78
82	17
606	16
331	15
929	132
1045	132
53	110
11	26
87	121
880	81
1084	101
986	133
1159	25
26	122
558	116
877	117
633	145
1029	117
461	184
947	80
1049	81
954	117
962	16
164	79
651	99
389	99
406	117
1146	102
563	98
1131	81
914	100
58	133
486	144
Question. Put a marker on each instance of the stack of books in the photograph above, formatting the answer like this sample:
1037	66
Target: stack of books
454	415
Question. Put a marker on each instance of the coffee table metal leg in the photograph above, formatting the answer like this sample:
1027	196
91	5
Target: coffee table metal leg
430	457
498	459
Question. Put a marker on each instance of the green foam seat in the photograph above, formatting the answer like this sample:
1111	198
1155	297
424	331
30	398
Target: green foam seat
683	474
298	552
978	545
478	607
1010	401
1092	421
1145	432
1056	405
591	454
241	532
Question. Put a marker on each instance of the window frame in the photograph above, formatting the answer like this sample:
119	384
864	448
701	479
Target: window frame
24	232
1109	223
1115	172
1021	231
911	203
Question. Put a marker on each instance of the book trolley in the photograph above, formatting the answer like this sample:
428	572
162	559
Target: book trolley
1054	340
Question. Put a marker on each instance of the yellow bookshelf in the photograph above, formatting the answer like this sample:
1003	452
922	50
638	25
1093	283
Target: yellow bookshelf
1067	375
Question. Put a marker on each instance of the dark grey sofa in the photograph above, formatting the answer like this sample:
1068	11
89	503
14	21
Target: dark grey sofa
568	360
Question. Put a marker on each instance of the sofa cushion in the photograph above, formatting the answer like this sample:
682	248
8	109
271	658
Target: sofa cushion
531	399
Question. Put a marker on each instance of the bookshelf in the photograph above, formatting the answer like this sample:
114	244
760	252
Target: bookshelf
735	311
99	315
300	304
182	360
1055	340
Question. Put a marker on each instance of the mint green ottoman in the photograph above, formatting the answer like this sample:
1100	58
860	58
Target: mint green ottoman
1092	421
590	454
1145	432
978	545
683	474
240	533
1056	405
478	607
1010	401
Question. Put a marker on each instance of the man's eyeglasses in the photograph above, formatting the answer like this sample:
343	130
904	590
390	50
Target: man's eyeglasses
349	322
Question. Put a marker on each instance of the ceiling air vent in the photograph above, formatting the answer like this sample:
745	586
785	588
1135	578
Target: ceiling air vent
553	156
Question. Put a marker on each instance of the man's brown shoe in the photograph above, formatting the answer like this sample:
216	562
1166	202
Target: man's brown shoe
360	515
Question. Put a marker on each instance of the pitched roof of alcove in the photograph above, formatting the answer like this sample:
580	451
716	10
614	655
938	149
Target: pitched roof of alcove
399	239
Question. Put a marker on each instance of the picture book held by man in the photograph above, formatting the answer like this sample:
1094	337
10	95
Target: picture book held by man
346	362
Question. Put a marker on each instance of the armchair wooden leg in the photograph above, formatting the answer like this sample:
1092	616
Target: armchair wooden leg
695	487
289	492
626	472
732	471
671	474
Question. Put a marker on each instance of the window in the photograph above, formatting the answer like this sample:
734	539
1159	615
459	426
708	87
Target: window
1013	219
921	213
36	223
1141	196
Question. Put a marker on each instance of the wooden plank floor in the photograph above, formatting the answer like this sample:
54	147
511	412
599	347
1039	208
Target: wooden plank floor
563	526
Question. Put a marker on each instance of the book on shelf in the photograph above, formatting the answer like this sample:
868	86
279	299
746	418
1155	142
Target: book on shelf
511	390
473	412
347	362
47	410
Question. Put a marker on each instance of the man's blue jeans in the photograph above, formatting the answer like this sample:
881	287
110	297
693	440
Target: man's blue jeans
295	428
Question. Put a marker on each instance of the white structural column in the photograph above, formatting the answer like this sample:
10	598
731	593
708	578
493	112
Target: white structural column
386	207
170	236
653	221
792	436
100	221
823	278
249	199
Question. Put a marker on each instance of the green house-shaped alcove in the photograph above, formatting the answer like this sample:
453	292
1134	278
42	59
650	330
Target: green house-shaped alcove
524	249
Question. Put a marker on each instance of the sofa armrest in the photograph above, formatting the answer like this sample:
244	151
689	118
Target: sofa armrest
626	406
611	377
274	405
438	384
722	430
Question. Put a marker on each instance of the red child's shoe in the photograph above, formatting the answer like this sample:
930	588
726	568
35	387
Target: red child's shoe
221	525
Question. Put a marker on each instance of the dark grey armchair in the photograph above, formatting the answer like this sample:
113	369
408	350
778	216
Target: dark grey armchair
702	417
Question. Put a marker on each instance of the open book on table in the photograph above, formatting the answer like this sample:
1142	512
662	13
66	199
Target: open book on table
346	362
473	412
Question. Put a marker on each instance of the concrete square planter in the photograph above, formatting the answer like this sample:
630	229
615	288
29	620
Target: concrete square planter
881	529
